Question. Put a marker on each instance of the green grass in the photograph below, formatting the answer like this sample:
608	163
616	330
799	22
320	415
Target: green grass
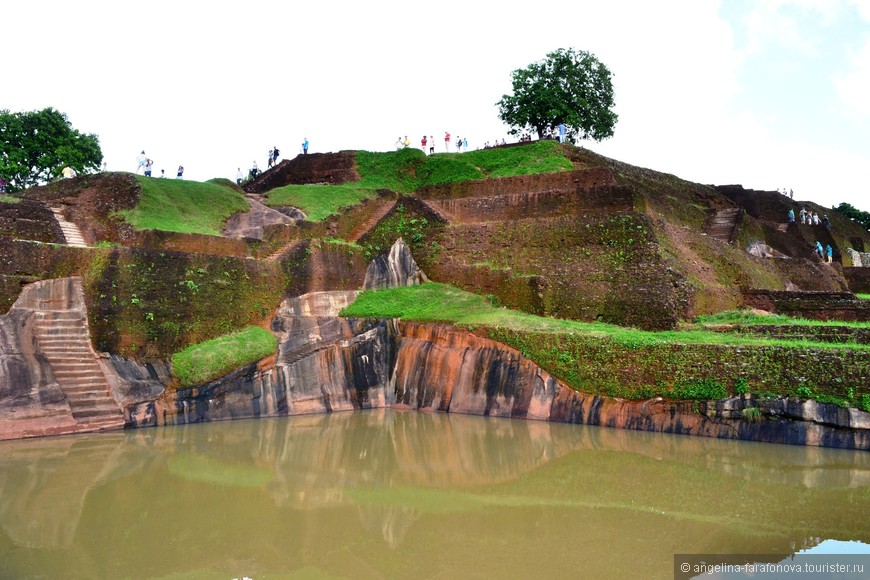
9	199
200	363
188	207
747	317
863	296
434	302
319	201
407	170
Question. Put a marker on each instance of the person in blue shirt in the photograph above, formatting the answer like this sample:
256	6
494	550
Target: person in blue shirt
820	250
830	253
561	132
305	146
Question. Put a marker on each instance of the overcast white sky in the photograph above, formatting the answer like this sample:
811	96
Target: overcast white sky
766	93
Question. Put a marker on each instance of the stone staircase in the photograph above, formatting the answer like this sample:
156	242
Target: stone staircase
62	336
71	232
722	225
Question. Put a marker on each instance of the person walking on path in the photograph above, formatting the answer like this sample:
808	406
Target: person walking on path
305	145
180	174
820	250
829	251
254	170
141	161
791	216
446	142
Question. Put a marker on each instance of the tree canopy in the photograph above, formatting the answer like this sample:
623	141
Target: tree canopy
35	146
854	214
567	87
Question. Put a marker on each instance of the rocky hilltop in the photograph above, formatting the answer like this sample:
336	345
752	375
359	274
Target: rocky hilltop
598	240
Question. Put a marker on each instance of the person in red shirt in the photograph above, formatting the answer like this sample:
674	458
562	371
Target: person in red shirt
423	143
446	142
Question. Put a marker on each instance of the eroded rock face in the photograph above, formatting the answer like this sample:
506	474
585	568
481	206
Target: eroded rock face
397	268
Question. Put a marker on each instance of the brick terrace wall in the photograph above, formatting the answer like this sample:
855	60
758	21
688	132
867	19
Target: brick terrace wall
521	184
331	168
813	305
858	278
596	199
29	220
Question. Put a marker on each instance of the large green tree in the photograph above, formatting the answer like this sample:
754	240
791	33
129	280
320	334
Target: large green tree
567	87
37	145
854	214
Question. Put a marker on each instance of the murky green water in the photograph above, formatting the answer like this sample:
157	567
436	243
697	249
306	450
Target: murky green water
410	495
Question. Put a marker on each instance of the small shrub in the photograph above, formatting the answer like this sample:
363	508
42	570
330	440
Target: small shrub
752	414
741	386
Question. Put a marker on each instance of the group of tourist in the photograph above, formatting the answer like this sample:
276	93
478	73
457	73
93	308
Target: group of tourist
146	164
825	253
809	218
271	161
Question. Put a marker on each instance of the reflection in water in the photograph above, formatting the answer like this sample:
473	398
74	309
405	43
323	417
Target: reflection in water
397	494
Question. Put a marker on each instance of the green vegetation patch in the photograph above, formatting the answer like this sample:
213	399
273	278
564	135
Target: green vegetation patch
624	362
189	207
407	170
9	199
745	316
434	302
319	201
200	363
863	296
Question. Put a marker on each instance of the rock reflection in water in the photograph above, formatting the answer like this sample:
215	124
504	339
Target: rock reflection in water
271	492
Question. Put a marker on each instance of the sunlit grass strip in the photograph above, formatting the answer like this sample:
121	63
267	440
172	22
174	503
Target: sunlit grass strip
407	170
189	207
320	201
206	361
434	302
10	199
747	317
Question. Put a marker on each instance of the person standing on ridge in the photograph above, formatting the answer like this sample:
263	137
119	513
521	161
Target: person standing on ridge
446	142
239	176
305	145
275	154
830	253
148	165
431	145
423	143
141	161
271	158
180	173
561	128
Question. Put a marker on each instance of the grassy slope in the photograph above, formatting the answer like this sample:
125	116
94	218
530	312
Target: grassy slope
433	302
622	362
200	363
409	169
184	206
